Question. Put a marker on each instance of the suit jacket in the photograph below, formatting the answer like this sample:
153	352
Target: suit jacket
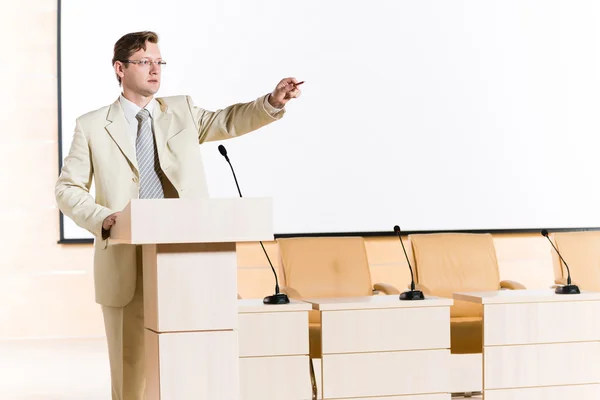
102	150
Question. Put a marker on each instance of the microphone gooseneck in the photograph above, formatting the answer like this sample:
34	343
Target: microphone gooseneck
412	294
568	288
277	298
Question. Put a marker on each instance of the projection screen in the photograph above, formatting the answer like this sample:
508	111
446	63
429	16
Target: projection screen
435	115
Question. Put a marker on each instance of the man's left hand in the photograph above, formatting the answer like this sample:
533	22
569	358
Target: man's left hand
285	90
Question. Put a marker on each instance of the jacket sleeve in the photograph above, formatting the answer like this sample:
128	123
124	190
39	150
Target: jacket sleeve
232	121
72	190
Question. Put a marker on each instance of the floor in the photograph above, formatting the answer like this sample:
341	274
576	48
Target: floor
75	369
69	369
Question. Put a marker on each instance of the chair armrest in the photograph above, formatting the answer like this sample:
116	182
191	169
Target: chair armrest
422	288
560	281
290	292
512	285
385	288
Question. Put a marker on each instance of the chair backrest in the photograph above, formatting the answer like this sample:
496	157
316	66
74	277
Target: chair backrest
326	266
455	262
581	251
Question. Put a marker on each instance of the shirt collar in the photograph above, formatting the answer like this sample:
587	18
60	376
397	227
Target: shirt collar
131	109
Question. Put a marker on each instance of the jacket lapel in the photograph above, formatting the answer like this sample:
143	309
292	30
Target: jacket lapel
162	126
117	129
166	126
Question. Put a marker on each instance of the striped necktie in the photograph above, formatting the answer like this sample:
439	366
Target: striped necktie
147	158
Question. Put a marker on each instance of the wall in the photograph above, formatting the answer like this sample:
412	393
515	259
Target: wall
46	289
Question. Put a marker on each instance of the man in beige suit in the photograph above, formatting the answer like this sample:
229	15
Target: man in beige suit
142	147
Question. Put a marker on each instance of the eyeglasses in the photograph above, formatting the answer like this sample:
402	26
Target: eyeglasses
146	63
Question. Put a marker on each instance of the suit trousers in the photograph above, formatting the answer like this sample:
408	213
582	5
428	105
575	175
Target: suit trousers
125	336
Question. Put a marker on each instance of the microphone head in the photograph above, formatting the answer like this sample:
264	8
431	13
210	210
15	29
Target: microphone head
397	229
222	150
545	232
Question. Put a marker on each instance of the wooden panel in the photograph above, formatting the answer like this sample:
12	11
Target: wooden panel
275	378
541	365
584	392
150	275
317	366
523	296
152	368
385	374
385	330
541	323
193	289
273	334
198	365
465	373
374	302
150	221
246	306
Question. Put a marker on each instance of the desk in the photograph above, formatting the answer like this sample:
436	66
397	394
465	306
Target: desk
539	345
379	346
273	348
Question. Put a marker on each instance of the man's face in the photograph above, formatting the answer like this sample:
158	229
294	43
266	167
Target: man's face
143	80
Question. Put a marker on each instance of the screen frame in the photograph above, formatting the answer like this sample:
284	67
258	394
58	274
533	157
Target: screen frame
63	240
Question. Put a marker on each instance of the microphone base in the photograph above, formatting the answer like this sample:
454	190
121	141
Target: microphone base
277	298
412	295
567	289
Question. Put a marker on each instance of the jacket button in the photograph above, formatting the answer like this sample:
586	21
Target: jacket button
134	179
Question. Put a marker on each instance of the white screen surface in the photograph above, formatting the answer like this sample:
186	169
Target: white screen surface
430	114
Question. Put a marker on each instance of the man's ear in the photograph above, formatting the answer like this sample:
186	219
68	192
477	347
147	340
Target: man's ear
119	69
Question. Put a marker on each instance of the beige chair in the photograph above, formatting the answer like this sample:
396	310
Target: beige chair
326	267
454	262
581	251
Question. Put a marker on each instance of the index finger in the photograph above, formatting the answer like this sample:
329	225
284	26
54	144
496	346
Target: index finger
289	81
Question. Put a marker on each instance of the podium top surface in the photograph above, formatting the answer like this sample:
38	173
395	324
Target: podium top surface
207	220
248	306
523	296
375	302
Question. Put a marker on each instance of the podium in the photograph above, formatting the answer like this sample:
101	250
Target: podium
190	289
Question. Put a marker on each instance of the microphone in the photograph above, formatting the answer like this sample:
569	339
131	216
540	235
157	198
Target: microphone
223	152
411	294
277	298
568	288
